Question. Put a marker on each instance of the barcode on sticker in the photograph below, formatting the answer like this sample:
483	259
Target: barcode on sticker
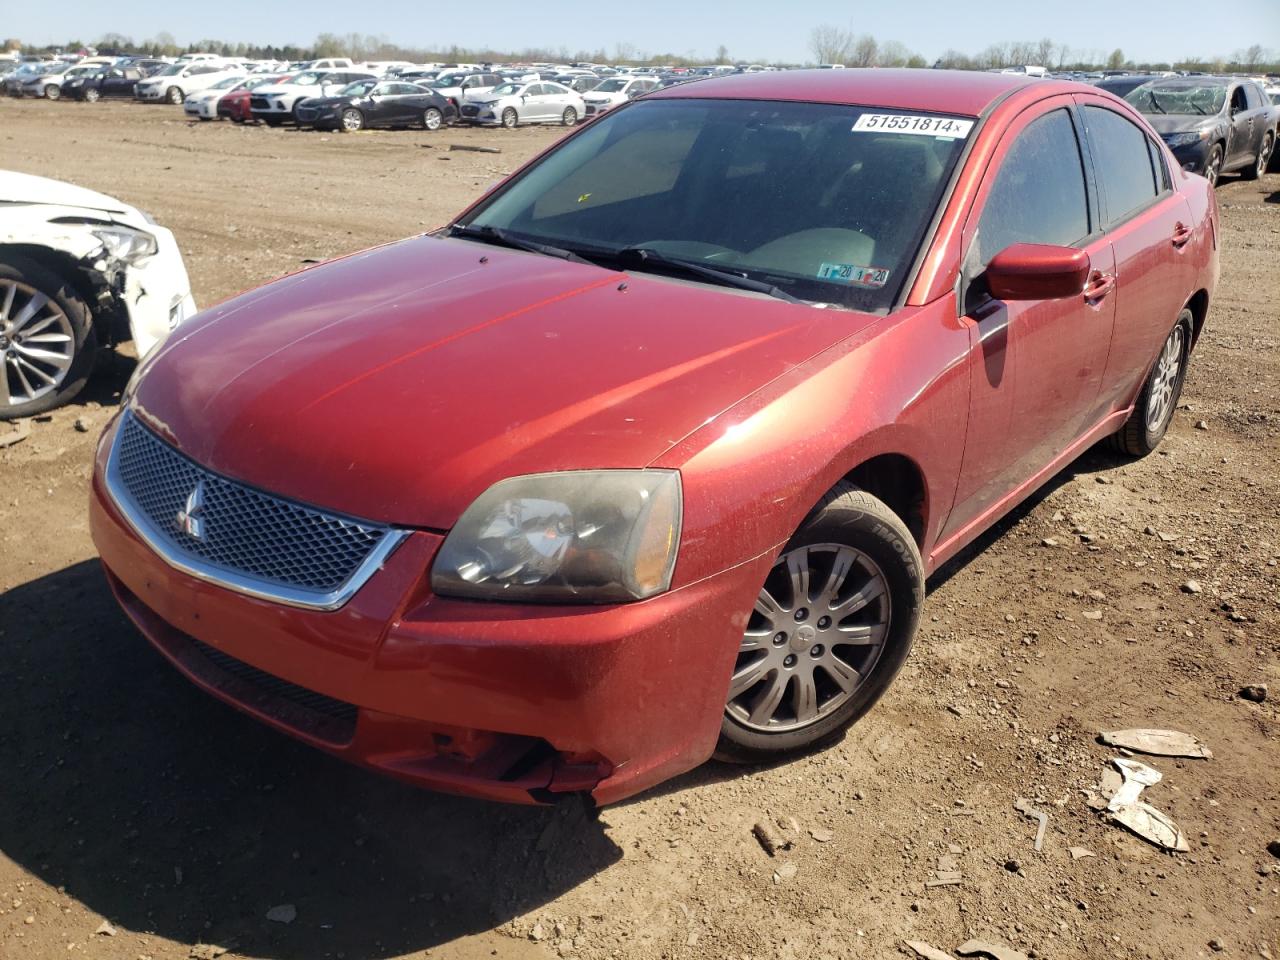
951	127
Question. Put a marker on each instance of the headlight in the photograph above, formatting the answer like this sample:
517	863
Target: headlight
589	536
126	244
1186	139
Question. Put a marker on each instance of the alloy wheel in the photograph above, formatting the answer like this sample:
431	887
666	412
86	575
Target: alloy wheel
1213	166
37	343
816	633
510	118
352	121
1164	379
432	118
1264	155
91	95
570	117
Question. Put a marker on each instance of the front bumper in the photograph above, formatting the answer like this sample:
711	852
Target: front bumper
156	293
149	94
201	109
500	701
1191	157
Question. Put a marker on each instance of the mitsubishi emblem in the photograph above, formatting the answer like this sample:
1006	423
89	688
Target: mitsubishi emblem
191	517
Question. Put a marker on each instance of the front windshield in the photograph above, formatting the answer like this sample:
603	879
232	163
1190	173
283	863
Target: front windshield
506	90
612	85
826	202
357	89
309	79
449	80
55	69
1157	98
173	69
227	84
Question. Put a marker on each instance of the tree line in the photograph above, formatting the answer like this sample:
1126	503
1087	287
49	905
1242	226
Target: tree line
827	44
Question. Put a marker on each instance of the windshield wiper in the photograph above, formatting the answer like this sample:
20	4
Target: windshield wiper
504	238
1155	102
725	276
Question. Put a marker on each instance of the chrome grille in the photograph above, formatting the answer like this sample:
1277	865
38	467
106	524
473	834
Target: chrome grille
238	530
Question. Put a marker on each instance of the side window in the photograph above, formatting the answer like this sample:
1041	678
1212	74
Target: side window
1038	195
1122	159
1253	95
1163	182
1238	101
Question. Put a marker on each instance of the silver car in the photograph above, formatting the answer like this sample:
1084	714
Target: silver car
511	104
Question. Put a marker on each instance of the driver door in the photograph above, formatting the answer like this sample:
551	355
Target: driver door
1037	365
1240	147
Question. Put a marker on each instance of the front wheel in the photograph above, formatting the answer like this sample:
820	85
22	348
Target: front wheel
174	96
569	117
829	630
1153	412
352	120
47	340
52	91
92	95
1260	162
510	119
1213	166
432	119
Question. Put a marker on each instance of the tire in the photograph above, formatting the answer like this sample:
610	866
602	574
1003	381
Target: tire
174	95
63	315
1260	162
1213	165
510	119
52	91
569	118
352	120
784	697
92	95
432	119
1158	399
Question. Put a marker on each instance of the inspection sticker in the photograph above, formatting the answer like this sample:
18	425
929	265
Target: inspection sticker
951	128
874	277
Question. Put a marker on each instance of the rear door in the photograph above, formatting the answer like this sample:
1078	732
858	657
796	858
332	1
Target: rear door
1037	364
1148	224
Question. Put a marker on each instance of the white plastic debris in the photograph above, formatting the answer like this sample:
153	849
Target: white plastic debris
1159	743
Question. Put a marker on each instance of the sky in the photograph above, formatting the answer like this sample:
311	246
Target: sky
764	30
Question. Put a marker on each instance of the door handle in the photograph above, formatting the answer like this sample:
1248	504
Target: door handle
1181	234
1099	285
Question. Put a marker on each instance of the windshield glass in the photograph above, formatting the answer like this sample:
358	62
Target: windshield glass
823	201
173	69
506	90
612	85
309	79
227	84
449	80
357	89
1156	98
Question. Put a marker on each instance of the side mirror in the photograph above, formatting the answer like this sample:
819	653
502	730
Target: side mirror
1037	271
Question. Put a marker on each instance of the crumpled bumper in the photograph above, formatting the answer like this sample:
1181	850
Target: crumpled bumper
156	293
501	701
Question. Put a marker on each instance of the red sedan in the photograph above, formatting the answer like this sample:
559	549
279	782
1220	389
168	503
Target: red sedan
646	457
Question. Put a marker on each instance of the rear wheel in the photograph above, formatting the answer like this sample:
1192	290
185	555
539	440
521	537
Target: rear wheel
510	119
830	629
1213	166
92	95
352	120
1153	412
1264	157
432	119
569	117
47	340
174	96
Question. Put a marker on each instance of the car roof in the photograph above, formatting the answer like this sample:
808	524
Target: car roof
938	91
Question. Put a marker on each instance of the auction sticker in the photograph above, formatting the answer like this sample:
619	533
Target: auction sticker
952	128
874	277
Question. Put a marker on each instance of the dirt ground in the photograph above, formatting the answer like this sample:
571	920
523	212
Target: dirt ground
128	796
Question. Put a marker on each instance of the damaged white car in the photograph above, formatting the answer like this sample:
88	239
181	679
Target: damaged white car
78	270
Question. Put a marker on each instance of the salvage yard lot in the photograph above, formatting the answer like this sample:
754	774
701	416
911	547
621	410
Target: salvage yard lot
1127	595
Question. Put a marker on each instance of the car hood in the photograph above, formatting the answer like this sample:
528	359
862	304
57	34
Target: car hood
400	383
25	188
1180	123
